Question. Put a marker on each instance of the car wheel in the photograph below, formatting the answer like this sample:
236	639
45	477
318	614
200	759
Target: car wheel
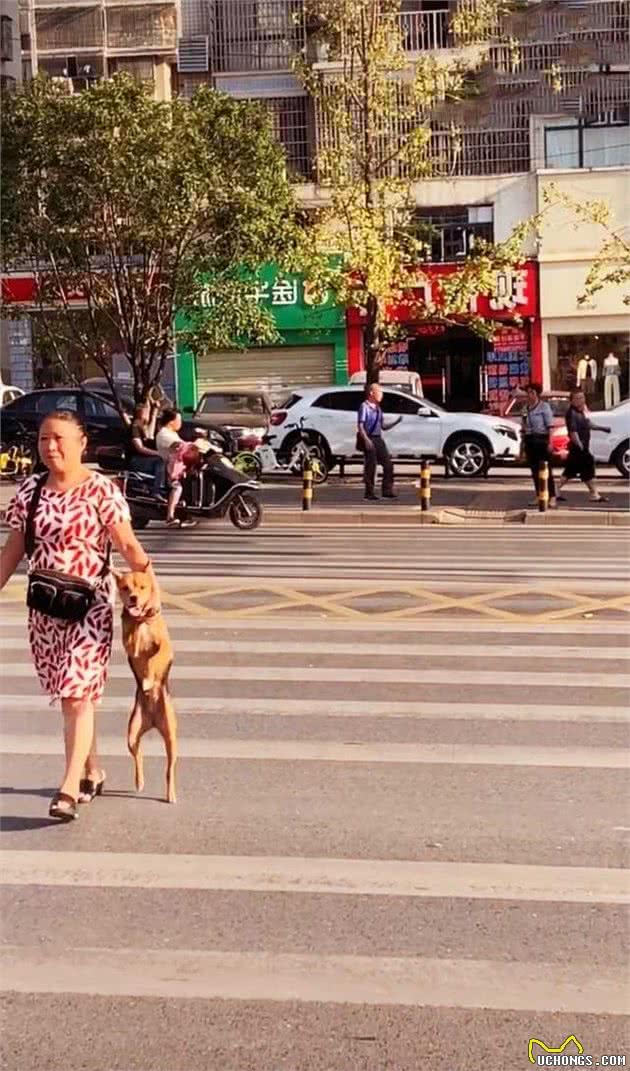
467	456
621	458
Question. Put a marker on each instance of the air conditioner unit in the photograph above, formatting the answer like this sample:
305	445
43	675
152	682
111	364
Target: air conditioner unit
193	55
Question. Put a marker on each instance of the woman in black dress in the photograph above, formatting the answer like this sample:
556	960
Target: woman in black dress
580	461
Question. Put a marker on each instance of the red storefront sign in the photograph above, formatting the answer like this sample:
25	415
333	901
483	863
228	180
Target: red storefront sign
23	290
514	296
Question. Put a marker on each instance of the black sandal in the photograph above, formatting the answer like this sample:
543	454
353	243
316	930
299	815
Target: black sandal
88	789
63	807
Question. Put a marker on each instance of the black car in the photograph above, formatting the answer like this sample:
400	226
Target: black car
104	424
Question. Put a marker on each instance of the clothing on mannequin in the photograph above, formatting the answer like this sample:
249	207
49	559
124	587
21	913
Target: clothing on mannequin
587	374
612	390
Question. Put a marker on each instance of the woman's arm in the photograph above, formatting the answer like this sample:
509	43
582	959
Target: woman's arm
140	448
11	556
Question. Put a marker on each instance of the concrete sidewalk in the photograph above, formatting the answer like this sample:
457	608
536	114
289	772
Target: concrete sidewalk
453	503
339	516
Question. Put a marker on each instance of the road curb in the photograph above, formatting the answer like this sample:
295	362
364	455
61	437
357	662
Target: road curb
445	517
448	516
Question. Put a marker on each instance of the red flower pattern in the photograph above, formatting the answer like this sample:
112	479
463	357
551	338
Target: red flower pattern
71	529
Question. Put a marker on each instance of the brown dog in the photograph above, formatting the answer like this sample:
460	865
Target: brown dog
150	654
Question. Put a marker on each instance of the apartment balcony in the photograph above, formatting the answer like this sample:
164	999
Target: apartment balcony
141	29
425	31
542	21
254	35
70	30
123	29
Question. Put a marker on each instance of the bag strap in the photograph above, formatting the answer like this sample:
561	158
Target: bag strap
29	527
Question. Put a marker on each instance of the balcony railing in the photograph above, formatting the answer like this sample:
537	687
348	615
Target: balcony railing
425	31
141	28
254	35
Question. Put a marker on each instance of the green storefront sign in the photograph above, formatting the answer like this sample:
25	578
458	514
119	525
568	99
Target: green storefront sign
300	321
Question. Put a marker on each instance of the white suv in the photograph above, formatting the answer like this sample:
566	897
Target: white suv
613	447
469	441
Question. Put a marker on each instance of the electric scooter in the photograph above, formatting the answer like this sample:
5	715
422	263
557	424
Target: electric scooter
212	488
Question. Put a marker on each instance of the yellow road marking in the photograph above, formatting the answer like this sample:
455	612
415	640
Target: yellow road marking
342	603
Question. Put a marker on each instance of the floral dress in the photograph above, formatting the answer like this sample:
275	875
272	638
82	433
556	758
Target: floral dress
71	533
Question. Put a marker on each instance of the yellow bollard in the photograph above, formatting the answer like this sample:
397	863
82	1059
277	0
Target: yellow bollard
307	485
425	486
543	487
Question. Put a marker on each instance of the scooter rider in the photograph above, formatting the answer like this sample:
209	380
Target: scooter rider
168	441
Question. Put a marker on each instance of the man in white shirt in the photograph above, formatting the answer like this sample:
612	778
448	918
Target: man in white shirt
166	439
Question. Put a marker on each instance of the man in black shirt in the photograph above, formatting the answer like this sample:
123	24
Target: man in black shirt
580	461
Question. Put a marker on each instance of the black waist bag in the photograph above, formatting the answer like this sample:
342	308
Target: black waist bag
50	592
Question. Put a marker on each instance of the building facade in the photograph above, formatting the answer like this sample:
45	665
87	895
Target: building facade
559	100
311	349
81	41
10	59
585	343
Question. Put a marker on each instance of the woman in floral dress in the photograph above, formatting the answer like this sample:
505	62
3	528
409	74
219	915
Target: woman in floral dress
80	513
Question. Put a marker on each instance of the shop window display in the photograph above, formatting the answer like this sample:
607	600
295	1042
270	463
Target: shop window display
598	364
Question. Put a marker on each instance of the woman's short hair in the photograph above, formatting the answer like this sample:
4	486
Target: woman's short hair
535	387
69	416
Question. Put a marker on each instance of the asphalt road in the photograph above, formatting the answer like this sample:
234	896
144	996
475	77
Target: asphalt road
400	841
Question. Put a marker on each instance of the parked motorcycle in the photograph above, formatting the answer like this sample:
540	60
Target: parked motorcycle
212	488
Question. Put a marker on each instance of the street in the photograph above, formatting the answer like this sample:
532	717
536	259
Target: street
402	819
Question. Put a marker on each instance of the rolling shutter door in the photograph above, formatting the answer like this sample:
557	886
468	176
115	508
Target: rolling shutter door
266	369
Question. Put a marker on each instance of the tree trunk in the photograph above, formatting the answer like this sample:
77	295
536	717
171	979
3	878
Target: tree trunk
371	341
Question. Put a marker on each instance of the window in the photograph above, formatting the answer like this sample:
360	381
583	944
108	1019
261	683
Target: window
343	401
49	400
232	403
97	407
397	403
6	37
451	232
603	141
20	405
64	401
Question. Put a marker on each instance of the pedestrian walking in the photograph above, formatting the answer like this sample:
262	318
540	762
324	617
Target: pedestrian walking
66	520
141	454
537	425
370	441
580	461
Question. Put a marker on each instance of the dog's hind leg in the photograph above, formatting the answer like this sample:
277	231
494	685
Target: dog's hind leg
167	726
139	723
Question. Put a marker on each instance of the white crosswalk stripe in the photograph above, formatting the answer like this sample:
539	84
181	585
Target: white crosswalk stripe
303	807
412	553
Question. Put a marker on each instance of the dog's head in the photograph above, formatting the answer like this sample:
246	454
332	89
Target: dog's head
135	591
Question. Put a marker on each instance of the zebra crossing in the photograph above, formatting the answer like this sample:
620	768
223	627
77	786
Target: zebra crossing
407	552
392	849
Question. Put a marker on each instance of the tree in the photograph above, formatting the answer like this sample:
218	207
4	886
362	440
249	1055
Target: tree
374	113
127	210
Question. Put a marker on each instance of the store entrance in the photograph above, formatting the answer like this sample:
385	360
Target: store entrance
450	365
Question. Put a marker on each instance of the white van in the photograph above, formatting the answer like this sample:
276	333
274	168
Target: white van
398	378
